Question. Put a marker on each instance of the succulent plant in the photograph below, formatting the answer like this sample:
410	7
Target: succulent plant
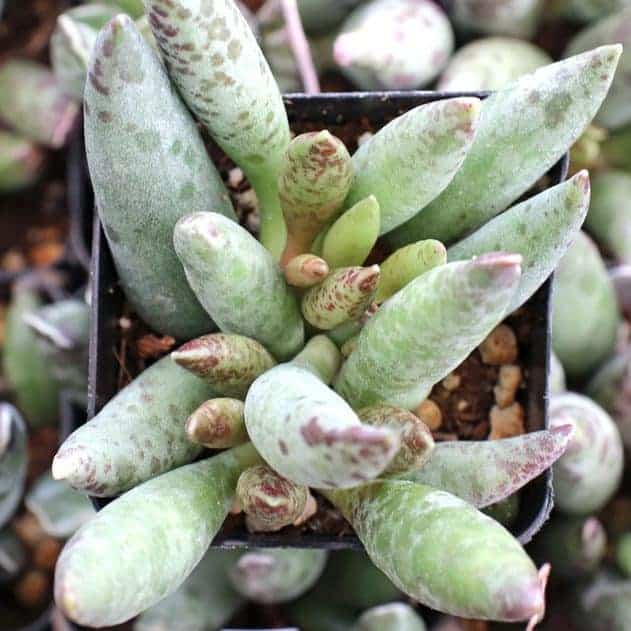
574	546
589	472
609	217
501	17
582	285
286	303
34	104
21	162
491	63
615	111
394	616
13	460
24	365
394	44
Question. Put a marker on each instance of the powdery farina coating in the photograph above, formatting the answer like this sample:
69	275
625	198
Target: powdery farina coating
139	133
214	59
522	132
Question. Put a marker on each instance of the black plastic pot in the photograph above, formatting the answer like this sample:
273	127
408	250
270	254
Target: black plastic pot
329	111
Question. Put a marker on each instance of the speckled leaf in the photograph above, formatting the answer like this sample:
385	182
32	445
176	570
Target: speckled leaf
581	285
344	295
227	362
205	600
417	443
483	473
394	44
491	63
394	617
33	103
541	229
141	547
138	132
443	552
275	576
412	159
609	217
217	424
23	365
309	434
613	29
306	270
139	433
427	329
574	546
59	509
238	282
269	501
407	263
72	42
21	162
214	59
523	130
589	472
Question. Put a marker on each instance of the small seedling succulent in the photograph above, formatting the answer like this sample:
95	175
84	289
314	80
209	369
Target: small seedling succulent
338	422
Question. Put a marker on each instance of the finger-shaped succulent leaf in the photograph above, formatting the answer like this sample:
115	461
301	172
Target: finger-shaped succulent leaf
105	577
506	17
491	63
616	110
408	262
63	330
72	42
205	600
306	270
350	239
269	501
23	364
393	616
138	131
59	509
541	229
394	44
227	362
344	295
411	160
215	61
417	443
574	546
609	217
13	555
473	568
310	435
217	424
320	357
139	433
276	576
33	103
238	282
427	329
610	387
589	472
603	603
483	473
21	162
582	285
13	460
315	177
522	132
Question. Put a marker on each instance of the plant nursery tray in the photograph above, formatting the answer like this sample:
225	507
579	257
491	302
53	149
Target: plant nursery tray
368	111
